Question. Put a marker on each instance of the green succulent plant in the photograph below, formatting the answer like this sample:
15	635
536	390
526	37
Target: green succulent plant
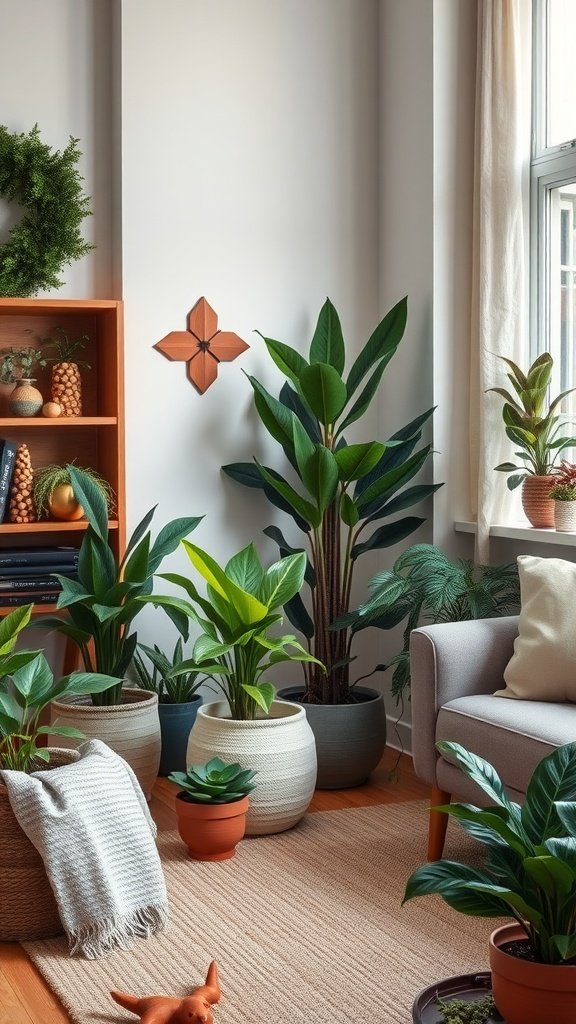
530	871
214	782
530	422
563	492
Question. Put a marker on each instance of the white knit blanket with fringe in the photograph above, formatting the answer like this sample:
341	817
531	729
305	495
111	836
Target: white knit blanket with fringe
91	825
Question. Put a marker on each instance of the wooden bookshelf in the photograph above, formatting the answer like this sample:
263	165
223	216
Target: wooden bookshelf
95	439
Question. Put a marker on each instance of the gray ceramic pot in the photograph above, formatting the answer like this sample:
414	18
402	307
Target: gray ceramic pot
350	738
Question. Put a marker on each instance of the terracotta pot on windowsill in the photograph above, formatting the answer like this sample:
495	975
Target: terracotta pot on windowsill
536	501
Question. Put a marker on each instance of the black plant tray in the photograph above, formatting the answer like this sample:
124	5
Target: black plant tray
470	987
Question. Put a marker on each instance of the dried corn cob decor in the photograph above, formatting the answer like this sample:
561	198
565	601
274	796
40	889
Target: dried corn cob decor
21	508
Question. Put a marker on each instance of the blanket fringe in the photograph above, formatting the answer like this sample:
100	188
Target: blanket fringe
102	938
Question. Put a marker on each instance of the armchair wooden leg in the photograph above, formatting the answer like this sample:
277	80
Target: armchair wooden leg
437	823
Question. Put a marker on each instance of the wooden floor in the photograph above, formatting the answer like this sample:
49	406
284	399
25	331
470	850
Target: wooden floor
24	997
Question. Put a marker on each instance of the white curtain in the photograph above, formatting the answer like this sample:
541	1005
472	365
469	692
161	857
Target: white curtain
500	246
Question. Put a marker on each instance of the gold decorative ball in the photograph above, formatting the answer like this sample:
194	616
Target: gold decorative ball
51	409
63	504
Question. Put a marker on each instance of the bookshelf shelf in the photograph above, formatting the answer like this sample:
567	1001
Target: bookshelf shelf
94	440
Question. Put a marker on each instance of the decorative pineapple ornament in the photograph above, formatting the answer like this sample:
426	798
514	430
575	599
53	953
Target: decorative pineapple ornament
66	379
21	508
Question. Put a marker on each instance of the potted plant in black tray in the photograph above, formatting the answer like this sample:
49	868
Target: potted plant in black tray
211	807
529	875
178	699
346	504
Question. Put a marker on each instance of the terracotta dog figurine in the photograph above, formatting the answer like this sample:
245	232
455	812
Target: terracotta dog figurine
192	1009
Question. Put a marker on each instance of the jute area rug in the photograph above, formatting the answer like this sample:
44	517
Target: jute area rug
306	926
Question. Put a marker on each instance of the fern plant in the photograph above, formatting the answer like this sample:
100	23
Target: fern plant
425	586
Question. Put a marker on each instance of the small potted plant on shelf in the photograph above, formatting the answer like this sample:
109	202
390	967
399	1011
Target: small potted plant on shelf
346	506
238	616
27	687
532	422
178	699
17	367
98	609
211	807
66	386
529	875
563	494
54	494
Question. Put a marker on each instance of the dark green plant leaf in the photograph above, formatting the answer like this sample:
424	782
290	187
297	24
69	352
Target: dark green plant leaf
92	500
324	391
357	460
553	780
387	536
293	401
327	344
383	341
287	359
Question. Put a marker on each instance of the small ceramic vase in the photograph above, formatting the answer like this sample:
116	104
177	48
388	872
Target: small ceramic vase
565	516
25	399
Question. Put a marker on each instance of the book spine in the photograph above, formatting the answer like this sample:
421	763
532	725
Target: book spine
48	556
6	470
30	585
46	597
33	570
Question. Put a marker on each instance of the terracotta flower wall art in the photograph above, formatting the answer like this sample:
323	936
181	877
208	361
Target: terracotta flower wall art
202	346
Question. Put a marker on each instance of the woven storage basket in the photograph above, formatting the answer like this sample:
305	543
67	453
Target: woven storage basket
28	909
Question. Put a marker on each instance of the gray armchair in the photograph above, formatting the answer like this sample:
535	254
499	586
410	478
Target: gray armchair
455	669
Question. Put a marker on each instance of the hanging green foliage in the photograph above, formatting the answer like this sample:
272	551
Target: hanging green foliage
46	183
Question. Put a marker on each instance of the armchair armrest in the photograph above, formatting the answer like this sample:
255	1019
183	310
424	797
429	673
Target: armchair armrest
449	660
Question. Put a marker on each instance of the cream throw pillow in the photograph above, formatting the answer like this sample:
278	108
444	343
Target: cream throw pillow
543	666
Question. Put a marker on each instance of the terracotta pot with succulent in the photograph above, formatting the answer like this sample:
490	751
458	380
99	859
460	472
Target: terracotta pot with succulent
537	430
237	648
530	875
54	494
345	490
211	807
563	494
99	609
17	367
178	699
27	686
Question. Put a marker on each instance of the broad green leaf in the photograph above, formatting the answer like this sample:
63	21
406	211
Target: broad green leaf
486	825
327	344
83	682
510	898
206	648
285	548
481	772
245	570
325	392
248	474
566	945
60	730
566	811
452	881
297	614
263	694
348	512
283	580
293	401
248	609
304	508
320	477
366	395
383	341
92	500
11	625
553	876
391	481
287	359
10	663
170	537
356	460
554	779
136	569
35	674
139	533
387	536
304	449
274	415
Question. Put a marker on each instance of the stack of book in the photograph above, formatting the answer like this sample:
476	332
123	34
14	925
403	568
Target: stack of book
7	462
25	574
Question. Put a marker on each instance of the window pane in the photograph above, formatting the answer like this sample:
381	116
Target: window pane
562	269
561	72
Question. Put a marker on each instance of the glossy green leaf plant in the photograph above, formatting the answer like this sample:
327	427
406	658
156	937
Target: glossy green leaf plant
530	870
348	497
215	782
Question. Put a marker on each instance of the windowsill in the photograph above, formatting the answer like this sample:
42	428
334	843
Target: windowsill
518	531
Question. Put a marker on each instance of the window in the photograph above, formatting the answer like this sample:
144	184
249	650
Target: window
553	189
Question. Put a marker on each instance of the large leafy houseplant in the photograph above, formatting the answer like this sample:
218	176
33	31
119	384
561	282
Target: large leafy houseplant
27	687
530	872
343	490
425	585
103	602
236	646
531	421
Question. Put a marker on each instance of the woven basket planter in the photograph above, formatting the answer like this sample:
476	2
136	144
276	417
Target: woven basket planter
131	729
28	909
280	748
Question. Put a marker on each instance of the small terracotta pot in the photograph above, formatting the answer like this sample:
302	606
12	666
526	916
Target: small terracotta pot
529	993
211	831
536	501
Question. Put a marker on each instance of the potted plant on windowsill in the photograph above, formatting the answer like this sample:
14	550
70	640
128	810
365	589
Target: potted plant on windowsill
530	875
99	610
237	648
346	505
27	687
178	699
211	807
563	494
533	425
